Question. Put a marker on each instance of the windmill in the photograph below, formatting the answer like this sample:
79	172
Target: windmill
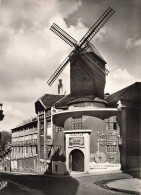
87	65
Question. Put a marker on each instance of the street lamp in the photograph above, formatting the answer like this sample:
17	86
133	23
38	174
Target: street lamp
1	112
1	106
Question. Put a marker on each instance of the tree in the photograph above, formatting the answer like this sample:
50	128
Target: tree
5	143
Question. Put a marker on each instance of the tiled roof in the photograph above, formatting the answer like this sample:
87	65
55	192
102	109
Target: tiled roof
49	99
66	101
130	93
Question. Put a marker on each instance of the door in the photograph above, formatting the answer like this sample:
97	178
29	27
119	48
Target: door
77	160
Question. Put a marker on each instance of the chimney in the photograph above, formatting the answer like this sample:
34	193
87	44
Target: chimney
60	87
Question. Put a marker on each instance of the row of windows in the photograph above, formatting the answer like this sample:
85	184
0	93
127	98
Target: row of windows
111	124
58	129
29	149
24	132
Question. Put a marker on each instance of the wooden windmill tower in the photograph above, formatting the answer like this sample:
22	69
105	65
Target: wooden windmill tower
87	67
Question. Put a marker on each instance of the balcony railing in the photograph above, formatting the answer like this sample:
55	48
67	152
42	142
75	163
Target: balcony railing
25	143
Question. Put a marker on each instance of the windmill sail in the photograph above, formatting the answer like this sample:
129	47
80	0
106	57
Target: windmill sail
59	69
80	47
96	27
63	35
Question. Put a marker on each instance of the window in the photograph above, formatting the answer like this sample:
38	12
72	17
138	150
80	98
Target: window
41	116
77	123
48	151
48	124
111	123
42	125
115	126
48	112
36	149
42	128
58	129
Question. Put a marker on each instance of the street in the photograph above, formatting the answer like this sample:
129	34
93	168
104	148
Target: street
41	185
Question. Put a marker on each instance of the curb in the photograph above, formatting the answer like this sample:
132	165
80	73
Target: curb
122	190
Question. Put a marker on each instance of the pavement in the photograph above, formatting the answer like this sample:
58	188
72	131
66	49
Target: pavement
132	185
120	182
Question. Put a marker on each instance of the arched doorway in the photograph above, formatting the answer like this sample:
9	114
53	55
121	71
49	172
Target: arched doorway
76	160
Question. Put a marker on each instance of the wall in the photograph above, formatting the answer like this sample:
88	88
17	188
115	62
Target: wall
133	139
81	81
87	75
58	138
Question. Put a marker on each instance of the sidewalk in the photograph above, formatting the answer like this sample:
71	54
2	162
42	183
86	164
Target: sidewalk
132	185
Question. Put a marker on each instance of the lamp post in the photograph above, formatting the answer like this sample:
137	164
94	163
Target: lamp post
1	113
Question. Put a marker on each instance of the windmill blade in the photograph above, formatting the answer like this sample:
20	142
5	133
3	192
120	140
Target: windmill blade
63	35
96	27
60	69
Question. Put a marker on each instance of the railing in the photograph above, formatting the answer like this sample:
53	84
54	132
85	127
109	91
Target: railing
25	143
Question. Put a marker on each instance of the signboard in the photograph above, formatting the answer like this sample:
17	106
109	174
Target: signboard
76	134
110	138
76	141
101	138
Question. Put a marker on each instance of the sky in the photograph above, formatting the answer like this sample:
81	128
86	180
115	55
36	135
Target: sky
30	52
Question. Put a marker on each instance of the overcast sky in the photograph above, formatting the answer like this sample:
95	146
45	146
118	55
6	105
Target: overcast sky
30	52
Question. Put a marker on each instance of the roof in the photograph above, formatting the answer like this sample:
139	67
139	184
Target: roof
92	48
70	99
24	123
130	93
48	100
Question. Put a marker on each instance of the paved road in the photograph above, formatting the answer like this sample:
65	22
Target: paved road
11	188
43	185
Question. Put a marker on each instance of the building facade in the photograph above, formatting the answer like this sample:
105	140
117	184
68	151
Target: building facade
93	133
83	127
84	130
24	147
129	100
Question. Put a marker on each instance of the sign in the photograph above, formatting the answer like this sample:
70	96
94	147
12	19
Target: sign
101	138
111	142
76	141
105	166
109	138
76	134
